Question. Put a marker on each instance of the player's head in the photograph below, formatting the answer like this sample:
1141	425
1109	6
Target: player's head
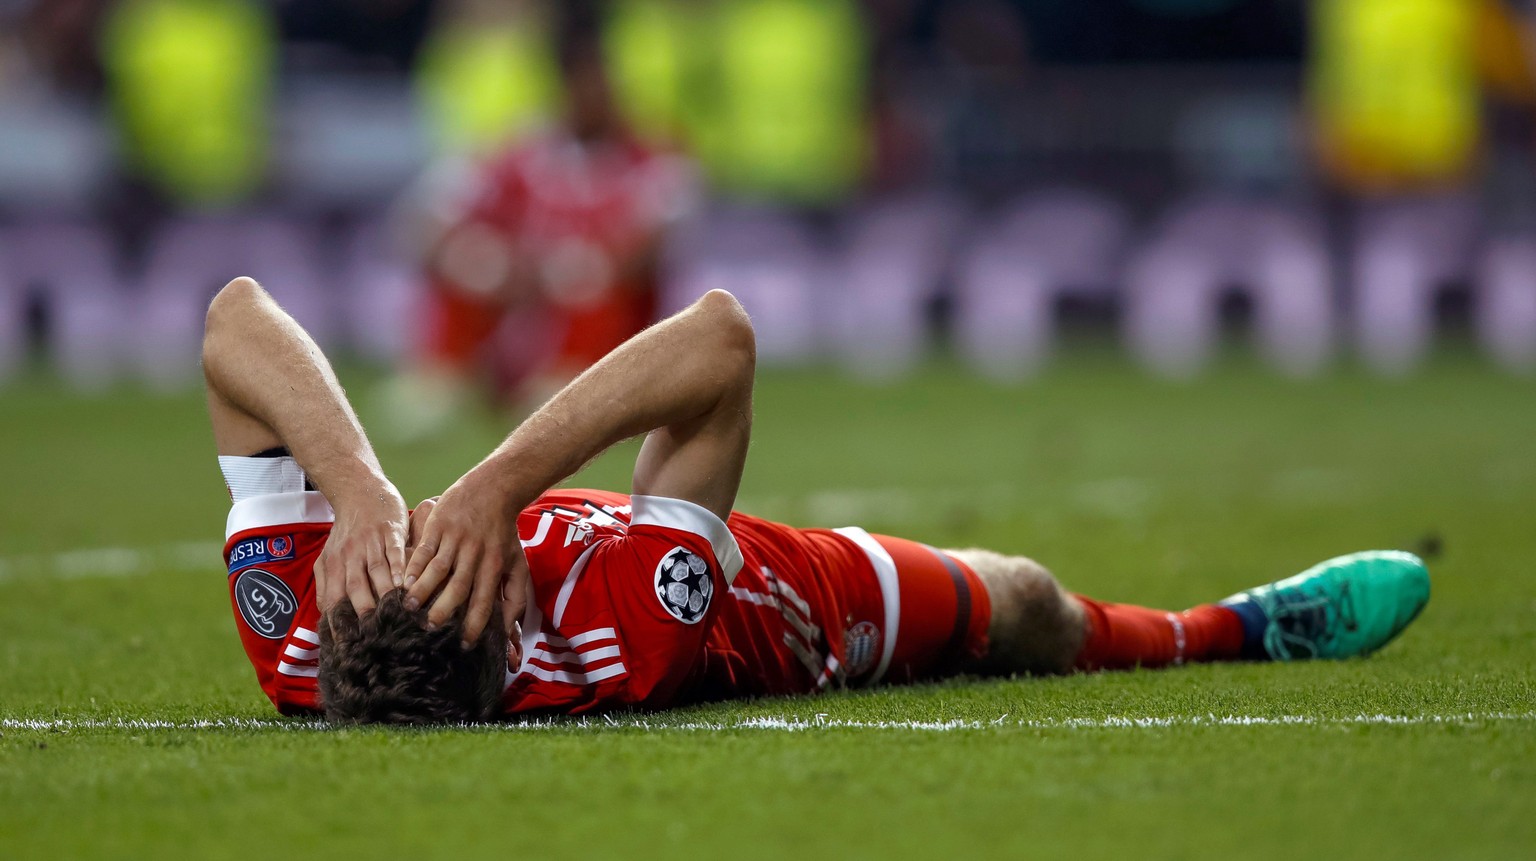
386	667
590	106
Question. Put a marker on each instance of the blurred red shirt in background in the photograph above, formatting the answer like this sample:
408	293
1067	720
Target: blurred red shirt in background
550	261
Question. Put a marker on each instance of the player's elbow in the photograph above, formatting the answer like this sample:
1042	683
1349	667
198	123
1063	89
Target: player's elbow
728	321
232	302
229	312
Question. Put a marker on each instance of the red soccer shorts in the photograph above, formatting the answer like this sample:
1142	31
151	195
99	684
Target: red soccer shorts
935	604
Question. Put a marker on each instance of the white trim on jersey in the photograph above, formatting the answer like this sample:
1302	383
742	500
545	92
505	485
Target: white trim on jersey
305	634
553	649
299	654
582	658
277	509
587	637
569	585
805	629
783	598
689	517
834	670
574	678
541	531
250	477
890	591
533	621
761	599
808	658
784	603
288	669
788	593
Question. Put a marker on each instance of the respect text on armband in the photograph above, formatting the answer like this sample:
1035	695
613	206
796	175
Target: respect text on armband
256	551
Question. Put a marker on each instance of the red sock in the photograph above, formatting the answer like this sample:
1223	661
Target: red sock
1121	636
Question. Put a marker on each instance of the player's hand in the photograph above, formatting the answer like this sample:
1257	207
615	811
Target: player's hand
514	589
514	597
466	553
419	516
365	554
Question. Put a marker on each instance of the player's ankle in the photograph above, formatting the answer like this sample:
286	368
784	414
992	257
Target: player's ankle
1255	622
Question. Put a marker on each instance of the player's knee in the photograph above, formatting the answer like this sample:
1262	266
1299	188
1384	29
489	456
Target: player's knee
1036	626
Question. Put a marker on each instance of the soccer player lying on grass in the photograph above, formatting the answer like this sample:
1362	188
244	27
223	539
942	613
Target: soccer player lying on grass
348	604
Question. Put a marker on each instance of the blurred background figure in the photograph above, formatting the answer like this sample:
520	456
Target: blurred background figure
190	84
1050	239
486	194
780	125
52	159
1400	92
540	257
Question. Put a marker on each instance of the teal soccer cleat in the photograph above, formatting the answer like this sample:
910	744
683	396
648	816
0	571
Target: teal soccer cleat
1342	608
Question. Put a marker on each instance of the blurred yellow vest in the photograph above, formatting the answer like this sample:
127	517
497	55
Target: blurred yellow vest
482	85
768	94
792	120
190	81
1395	90
1398	86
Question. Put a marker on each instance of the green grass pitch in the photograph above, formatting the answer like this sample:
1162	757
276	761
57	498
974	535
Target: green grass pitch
116	642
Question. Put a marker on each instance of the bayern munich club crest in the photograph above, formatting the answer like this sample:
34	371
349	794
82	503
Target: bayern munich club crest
860	645
265	602
683	585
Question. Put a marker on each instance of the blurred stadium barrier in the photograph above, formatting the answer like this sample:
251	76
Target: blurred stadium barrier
975	164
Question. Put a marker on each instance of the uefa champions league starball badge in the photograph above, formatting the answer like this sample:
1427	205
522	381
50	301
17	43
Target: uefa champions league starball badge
683	585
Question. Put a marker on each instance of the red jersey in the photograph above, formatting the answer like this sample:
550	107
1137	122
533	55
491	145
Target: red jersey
588	219
618	576
584	210
641	601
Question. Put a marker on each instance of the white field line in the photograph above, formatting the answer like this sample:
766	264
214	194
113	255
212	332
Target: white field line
1125	499
113	561
818	722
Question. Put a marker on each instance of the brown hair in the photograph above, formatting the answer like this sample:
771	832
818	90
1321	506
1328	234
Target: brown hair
386	667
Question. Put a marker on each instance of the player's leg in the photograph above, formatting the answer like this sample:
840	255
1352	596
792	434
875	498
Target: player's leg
979	611
1039	627
1344	607
1036	626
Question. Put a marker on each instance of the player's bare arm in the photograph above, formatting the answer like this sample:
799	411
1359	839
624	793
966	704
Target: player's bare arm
268	386
686	382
